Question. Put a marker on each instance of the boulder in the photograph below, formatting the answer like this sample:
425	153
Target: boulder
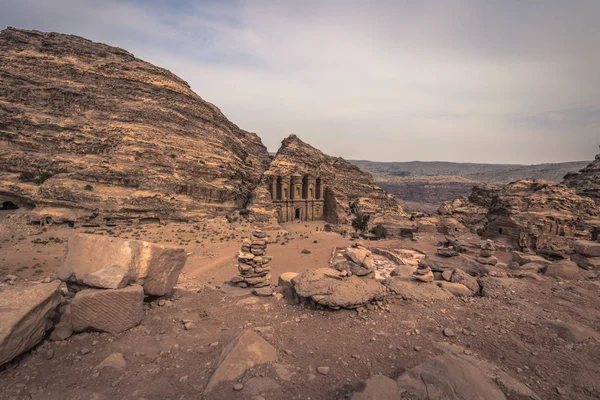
467	264
155	267
26	314
487	260
325	286
460	276
110	310
524	258
587	248
494	287
63	329
563	269
356	254
590	263
353	268
457	289
532	266
378	387
446	252
245	351
285	279
426	277
449	377
415	291
113	277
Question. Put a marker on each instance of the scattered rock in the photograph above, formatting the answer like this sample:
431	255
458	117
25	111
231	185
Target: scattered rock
107	310
246	350
460	276
449	332
26	314
323	370
114	361
415	291
237	387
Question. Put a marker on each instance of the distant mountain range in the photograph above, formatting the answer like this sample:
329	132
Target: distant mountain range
426	184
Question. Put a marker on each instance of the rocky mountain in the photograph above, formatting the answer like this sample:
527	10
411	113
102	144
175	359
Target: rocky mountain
91	126
587	181
347	188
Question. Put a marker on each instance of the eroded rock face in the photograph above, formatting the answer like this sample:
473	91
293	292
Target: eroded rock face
344	184
92	258
532	215
587	181
325	286
244	352
25	315
119	136
107	310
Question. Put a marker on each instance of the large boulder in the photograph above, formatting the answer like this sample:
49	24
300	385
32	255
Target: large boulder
460	276
110	310
411	290
356	254
245	351
92	259
325	286
463	262
590	263
564	269
26	314
457	289
587	248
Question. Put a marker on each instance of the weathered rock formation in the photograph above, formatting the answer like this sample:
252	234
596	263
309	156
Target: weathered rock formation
342	187
587	181
532	215
89	126
26	314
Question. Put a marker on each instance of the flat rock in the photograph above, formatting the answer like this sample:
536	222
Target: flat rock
326	287
572	332
378	387
356	254
263	291
26	313
589	263
110	310
416	291
449	377
524	258
564	269
245	351
113	277
155	267
114	361
467	264
587	248
457	289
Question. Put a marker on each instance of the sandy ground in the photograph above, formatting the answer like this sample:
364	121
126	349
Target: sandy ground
165	361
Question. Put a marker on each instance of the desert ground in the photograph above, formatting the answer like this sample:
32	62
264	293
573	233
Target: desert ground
164	360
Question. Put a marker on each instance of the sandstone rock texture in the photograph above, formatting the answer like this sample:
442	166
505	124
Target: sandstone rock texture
91	259
325	286
346	187
245	351
95	128
587	181
107	310
26	314
532	215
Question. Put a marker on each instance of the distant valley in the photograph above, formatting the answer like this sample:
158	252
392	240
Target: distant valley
424	185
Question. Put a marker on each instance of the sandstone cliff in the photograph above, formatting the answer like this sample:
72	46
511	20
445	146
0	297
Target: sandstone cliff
90	126
587	181
347	188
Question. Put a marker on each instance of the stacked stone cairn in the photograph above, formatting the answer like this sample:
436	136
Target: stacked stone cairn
253	262
486	255
423	273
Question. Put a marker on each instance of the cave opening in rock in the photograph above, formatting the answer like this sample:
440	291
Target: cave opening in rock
8	205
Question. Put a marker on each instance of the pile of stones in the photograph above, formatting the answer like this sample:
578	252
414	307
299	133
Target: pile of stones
587	254
486	255
253	262
450	248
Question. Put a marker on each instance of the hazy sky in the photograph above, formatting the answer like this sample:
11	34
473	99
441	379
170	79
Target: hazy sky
481	81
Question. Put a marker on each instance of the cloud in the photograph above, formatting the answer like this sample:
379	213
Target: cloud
381	80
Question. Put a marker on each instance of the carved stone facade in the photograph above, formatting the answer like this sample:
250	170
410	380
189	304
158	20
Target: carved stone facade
298	197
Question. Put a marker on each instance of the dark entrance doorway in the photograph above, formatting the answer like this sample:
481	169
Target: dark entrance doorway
9	205
297	213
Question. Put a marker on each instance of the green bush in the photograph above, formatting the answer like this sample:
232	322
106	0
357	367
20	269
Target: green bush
380	231
361	222
26	176
88	187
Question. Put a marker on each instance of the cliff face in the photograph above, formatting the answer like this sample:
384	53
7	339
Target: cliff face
587	181
346	187
90	126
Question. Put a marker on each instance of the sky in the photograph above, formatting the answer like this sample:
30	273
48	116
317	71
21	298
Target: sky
498	81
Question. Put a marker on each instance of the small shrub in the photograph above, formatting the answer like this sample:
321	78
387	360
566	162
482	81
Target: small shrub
26	176
380	231
42	177
88	187
361	222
